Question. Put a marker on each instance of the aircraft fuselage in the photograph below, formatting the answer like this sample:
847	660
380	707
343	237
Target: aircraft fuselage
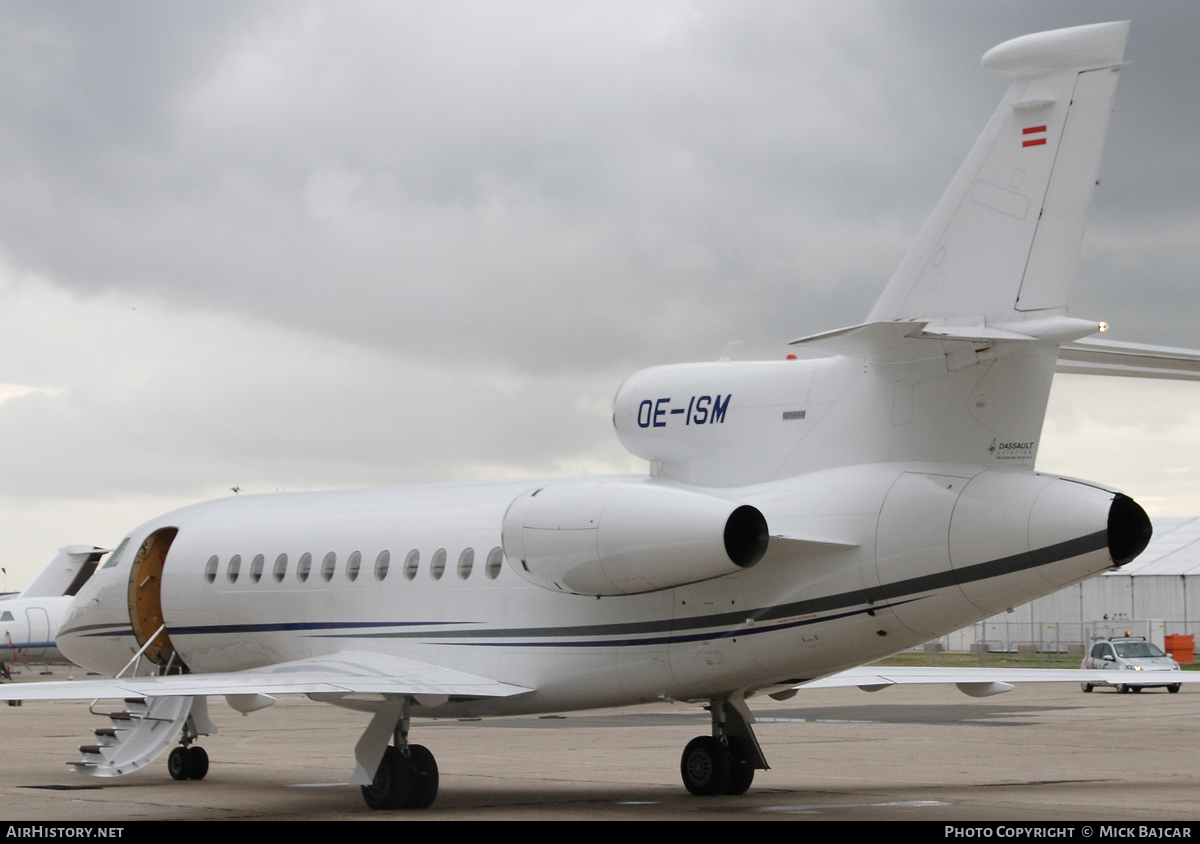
864	561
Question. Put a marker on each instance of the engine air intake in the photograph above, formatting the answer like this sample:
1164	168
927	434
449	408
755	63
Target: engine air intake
1129	529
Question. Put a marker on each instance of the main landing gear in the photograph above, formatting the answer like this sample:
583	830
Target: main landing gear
725	762
407	774
407	778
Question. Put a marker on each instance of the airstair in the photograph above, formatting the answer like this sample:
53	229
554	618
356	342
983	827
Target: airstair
146	727
139	734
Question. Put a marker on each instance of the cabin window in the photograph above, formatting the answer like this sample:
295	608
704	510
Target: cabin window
304	567
411	563
494	562
353	563
210	569
466	562
235	566
256	567
327	566
381	564
437	565
280	571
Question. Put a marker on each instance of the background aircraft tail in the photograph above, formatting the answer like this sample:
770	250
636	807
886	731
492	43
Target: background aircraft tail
1003	242
66	573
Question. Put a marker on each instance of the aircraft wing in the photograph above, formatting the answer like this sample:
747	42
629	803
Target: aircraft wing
1131	360
348	672
981	682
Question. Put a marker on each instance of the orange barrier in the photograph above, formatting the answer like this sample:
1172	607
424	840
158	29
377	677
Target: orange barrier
1180	647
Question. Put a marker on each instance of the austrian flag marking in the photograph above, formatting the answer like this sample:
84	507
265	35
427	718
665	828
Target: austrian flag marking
1033	130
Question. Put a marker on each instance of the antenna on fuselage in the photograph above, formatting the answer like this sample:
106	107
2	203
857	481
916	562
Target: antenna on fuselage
729	348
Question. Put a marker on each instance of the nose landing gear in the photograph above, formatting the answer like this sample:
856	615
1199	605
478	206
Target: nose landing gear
187	763
190	761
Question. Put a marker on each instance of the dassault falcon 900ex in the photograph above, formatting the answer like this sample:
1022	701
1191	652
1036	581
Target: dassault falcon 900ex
800	518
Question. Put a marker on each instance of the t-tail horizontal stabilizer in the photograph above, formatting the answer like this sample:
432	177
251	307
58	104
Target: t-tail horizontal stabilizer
1079	354
962	343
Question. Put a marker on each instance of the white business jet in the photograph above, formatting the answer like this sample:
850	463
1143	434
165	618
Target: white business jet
30	619
800	518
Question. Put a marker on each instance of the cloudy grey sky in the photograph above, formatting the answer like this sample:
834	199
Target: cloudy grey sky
295	245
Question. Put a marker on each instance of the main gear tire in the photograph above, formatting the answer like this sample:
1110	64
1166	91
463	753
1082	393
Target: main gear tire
179	764
705	766
390	787
741	769
423	777
199	759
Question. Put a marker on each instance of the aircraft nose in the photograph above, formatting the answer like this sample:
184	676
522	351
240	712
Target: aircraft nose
1129	529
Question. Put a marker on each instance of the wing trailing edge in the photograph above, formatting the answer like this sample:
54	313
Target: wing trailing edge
336	674
979	682
1128	360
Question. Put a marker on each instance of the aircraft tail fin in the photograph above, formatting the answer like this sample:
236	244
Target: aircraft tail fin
66	572
1003	242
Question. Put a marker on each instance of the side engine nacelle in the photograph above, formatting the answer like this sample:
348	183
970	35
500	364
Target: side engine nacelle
998	540
624	537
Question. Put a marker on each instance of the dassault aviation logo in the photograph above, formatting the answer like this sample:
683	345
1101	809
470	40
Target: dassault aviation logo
1011	450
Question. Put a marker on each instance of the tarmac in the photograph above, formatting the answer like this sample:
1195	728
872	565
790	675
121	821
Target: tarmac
1042	752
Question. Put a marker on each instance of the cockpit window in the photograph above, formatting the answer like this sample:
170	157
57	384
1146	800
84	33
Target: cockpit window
7	616
115	556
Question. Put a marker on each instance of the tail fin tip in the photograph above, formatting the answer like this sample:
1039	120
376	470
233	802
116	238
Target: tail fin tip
1043	53
1003	242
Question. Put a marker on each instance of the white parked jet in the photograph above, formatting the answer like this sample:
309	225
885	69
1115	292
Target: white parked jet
800	518
30	619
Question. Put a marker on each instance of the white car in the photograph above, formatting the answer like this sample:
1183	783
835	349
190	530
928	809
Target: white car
1131	653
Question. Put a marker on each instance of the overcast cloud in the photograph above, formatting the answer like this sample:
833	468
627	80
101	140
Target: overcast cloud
296	245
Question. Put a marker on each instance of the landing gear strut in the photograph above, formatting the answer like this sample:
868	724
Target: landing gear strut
725	762
407	776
